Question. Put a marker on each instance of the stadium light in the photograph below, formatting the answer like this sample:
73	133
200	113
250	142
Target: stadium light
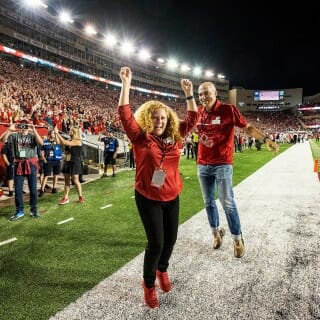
209	73
197	71
172	64
110	40
127	48
35	3
90	30
185	68
144	54
160	60
65	17
221	76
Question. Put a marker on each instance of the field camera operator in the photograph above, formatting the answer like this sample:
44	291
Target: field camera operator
23	139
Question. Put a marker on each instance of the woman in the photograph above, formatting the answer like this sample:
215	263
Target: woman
156	134
72	162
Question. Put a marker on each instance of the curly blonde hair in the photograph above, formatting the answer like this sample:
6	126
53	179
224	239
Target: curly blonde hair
143	116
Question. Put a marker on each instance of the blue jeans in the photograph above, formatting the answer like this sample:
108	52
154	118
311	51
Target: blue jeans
32	184
220	176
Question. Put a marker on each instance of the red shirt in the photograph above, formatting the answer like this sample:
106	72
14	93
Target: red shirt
216	130
149	150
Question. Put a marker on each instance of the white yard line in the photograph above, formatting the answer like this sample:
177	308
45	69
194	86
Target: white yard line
65	221
8	241
107	206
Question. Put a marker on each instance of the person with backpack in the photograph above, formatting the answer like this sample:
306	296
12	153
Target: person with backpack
51	155
24	138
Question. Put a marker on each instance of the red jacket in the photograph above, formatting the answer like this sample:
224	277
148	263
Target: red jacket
149	150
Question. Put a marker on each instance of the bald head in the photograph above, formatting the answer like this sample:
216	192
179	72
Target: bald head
207	94
207	86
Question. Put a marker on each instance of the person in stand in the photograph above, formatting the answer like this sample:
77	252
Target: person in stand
156	134
51	155
216	126
24	143
111	146
8	159
72	163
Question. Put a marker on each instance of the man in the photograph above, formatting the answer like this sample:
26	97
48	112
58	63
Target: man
51	155
216	126
195	139
111	145
24	143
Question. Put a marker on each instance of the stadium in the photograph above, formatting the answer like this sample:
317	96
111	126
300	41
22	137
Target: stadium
54	72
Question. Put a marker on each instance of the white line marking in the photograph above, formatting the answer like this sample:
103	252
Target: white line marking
187	178
132	197
64	221
8	241
107	206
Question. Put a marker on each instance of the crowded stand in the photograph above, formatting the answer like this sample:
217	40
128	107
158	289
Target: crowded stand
310	115
48	97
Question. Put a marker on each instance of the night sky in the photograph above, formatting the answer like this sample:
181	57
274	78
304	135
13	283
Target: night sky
255	44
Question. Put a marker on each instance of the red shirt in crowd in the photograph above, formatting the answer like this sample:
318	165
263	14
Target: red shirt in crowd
216	133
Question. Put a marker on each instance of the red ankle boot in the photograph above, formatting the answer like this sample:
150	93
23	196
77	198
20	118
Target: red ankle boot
164	281
150	296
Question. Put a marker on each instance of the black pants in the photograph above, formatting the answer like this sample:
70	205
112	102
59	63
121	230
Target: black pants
131	159
189	150
160	221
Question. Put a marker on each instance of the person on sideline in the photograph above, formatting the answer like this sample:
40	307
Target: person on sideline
24	143
40	162
189	146
111	146
156	134
84	152
216	126
132	163
51	155
7	156
195	139
71	168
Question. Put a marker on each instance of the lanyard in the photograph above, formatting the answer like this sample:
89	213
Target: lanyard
162	148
